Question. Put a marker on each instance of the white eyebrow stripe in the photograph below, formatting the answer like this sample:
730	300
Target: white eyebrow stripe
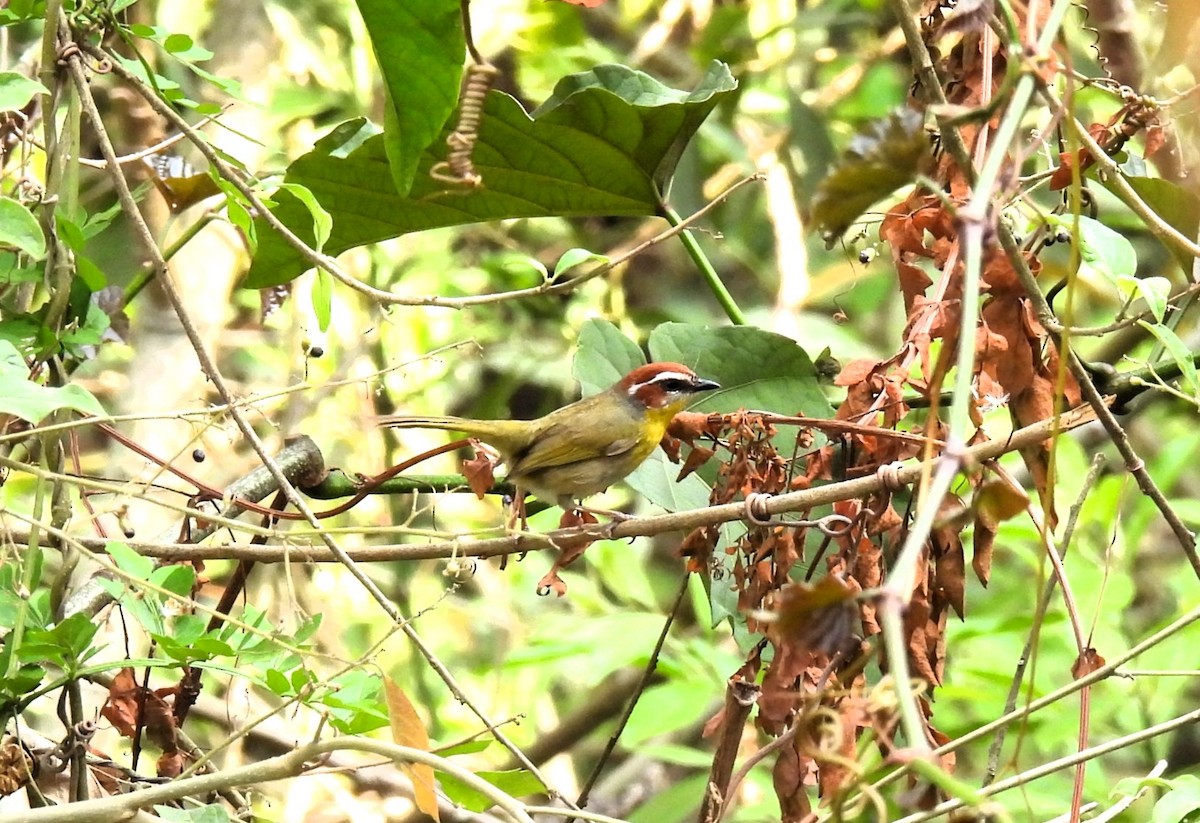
670	375
661	377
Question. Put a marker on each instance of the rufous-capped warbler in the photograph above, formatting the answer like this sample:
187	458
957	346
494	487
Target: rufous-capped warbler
585	447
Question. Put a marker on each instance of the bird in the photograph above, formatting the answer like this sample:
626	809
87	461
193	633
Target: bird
582	448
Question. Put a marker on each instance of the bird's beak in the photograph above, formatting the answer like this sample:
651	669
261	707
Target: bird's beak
705	385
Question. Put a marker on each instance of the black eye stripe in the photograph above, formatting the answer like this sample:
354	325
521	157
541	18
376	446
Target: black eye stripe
670	381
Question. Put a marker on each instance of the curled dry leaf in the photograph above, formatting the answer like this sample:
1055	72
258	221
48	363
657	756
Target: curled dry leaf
792	776
125	697
821	616
569	549
1086	663
16	766
480	471
408	730
695	459
691	426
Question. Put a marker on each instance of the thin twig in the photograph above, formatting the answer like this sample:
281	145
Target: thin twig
647	675
297	762
328	264
1114	745
1105	671
129	207
635	526
1014	689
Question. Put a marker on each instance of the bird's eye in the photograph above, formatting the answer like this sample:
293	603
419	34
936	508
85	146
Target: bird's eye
674	384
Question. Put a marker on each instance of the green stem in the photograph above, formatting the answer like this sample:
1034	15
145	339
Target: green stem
732	311
148	273
30	567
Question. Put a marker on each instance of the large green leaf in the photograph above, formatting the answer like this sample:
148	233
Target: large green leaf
1174	204
19	229
16	90
756	369
593	152
21	397
657	129
419	47
604	356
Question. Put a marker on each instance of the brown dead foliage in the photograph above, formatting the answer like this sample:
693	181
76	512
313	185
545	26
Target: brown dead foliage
808	593
480	471
569	550
131	708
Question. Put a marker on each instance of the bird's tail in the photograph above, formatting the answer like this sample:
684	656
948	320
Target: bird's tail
416	421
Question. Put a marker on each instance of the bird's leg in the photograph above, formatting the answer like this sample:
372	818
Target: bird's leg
568	505
612	514
516	511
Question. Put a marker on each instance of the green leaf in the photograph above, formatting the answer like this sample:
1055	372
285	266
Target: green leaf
12	272
573	258
178	43
1180	353
321	220
515	783
133	564
419	48
322	299
475	746
240	217
91	332
278	683
593	153
1104	252
1154	290
756	369
655	142
65	644
604	356
1180	804
656	481
16	90
175	578
1173	204
214	813
21	397
20	230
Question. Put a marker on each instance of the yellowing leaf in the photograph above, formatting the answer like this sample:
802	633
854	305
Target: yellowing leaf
996	501
408	730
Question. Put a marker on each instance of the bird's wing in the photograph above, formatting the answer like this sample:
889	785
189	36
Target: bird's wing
554	449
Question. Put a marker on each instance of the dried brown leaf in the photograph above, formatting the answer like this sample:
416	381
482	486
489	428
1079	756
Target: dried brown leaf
691	426
984	539
480	472
696	458
408	730
125	696
856	371
15	766
790	777
819	617
1086	663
